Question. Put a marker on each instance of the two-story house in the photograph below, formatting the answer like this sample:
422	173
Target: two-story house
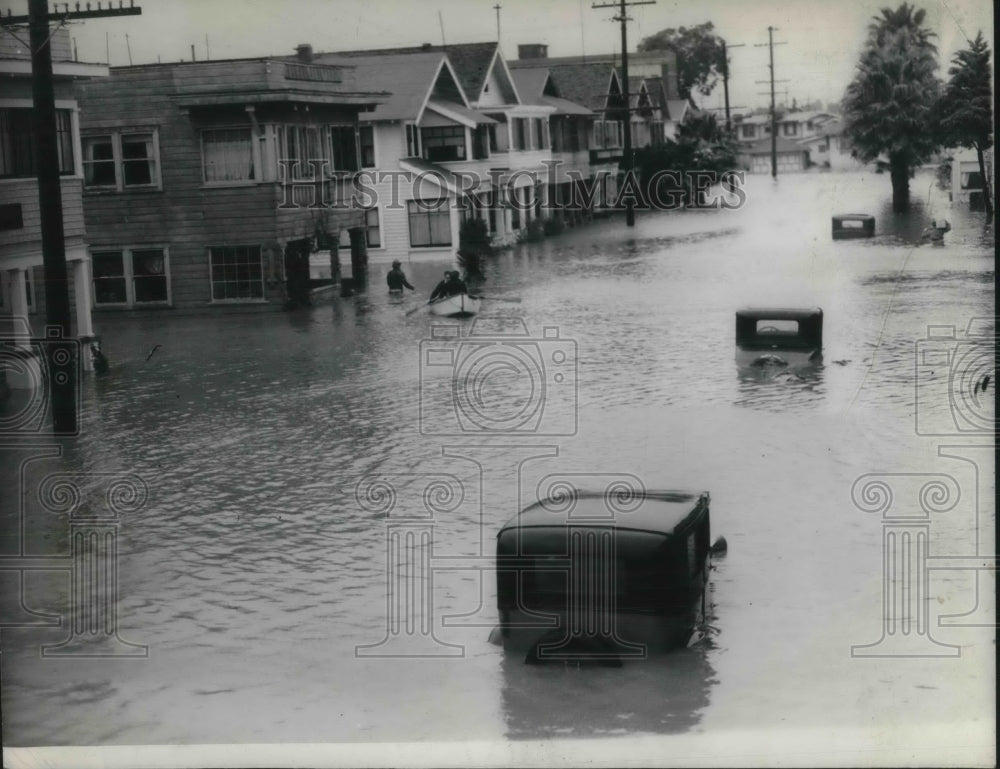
207	183
457	128
22	291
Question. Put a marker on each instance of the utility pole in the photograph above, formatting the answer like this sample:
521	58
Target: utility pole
62	377
623	18
774	114
725	80
497	8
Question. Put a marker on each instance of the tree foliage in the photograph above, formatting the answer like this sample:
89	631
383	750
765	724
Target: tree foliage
965	110
700	56
889	107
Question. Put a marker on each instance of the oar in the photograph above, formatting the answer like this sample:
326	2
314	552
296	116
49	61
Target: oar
515	299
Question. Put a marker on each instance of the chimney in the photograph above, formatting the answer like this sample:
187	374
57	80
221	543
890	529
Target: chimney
532	51
304	52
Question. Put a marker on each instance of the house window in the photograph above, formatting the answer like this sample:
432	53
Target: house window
344	148
121	161
443	143
17	146
366	138
430	223
130	276
412	141
373	233
237	273
227	155
301	151
598	134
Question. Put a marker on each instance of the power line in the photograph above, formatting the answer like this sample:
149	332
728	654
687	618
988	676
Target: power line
623	19
774	117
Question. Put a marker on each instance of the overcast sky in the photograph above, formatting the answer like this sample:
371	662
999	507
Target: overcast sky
821	38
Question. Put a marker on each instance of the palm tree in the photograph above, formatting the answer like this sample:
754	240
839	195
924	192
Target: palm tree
889	105
965	110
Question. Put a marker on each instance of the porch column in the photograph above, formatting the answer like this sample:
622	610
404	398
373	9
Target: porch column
18	302
84	319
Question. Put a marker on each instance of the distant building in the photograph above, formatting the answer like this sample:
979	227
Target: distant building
966	178
791	156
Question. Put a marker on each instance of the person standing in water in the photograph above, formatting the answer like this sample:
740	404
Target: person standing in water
396	279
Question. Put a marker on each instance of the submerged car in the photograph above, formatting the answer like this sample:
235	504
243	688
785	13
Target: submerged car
849	226
602	579
768	338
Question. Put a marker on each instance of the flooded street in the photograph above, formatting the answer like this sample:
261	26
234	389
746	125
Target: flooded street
274	444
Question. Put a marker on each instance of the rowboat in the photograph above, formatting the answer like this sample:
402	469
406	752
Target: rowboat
457	306
592	577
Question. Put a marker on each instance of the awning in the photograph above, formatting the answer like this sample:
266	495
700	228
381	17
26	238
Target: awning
460	113
566	107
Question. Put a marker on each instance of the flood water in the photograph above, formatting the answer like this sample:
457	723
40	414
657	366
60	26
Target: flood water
274	444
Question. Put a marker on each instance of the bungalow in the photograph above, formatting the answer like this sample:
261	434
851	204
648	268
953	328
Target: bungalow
830	148
22	290
466	129
200	179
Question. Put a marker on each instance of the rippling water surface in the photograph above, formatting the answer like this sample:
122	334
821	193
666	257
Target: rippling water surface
267	439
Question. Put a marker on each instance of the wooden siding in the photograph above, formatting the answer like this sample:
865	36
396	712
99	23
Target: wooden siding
186	216
25	193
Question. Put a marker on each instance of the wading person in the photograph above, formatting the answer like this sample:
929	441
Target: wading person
396	279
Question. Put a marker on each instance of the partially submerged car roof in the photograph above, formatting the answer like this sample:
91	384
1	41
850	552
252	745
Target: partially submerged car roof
658	511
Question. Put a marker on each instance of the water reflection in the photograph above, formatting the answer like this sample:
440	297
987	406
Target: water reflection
664	694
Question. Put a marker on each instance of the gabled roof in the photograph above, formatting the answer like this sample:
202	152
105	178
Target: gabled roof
530	83
657	94
678	109
408	78
472	61
585	84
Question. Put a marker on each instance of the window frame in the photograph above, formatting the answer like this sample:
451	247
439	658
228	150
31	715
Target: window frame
256	172
437	138
369	227
237	299
23	154
129	276
116	136
421	208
